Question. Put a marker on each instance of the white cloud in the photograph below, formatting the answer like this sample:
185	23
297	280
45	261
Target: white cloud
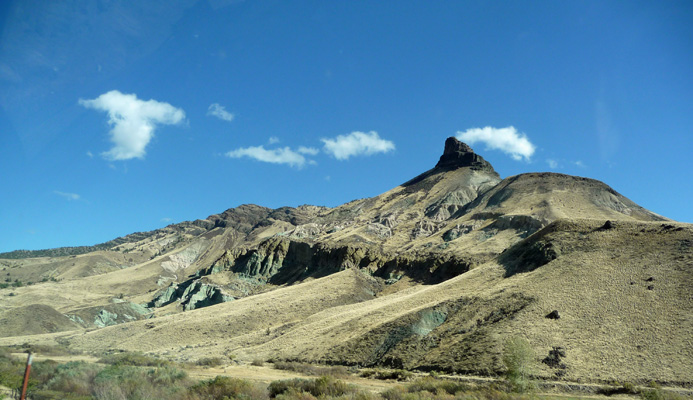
357	143
580	164
217	110
133	122
90	154
69	196
273	140
507	140
166	219
311	151
276	156
553	164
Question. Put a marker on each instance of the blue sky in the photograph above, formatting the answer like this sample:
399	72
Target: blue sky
118	117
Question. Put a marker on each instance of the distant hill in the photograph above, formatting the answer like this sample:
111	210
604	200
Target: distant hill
434	274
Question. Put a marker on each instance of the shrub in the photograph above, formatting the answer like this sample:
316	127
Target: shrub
322	386
315	370
395	393
11	372
49	350
74	377
210	361
223	387
257	362
54	394
659	394
434	385
43	371
117	382
396	374
441	390
518	358
166	375
293	395
5	353
134	359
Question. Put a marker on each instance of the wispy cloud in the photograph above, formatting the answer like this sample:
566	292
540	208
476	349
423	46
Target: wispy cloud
607	134
356	143
276	156
133	122
580	164
68	196
166	219
553	164
217	110
90	154
7	73
273	140
508	140
311	151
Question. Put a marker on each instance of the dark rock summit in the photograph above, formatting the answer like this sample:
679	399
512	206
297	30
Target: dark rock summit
458	154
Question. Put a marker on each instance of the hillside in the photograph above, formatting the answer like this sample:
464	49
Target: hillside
434	274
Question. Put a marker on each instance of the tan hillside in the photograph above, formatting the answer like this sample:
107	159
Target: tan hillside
434	274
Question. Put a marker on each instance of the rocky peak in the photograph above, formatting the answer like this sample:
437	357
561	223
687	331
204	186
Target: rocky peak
458	154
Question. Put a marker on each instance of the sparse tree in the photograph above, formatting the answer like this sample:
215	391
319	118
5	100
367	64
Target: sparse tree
518	358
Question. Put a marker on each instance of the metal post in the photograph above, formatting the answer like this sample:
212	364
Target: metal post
26	376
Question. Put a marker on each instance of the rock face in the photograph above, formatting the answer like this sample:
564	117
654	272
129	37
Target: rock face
118	312
202	295
191	294
458	154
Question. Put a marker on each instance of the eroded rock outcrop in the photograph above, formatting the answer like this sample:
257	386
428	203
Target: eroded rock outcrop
457	154
282	261
118	312
191	294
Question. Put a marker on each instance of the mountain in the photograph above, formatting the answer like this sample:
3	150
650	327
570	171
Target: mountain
434	274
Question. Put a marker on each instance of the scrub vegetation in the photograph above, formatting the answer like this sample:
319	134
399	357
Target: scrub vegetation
137	376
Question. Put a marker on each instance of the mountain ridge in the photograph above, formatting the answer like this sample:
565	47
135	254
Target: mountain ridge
432	274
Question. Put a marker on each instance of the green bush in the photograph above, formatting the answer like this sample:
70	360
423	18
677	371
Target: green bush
659	394
396	374
81	380
442	391
134	359
74	377
45	394
11	372
210	361
322	386
223	387
433	385
43	371
166	375
117	382
518	358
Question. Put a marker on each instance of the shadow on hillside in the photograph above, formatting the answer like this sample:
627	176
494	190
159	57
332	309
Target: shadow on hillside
529	254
